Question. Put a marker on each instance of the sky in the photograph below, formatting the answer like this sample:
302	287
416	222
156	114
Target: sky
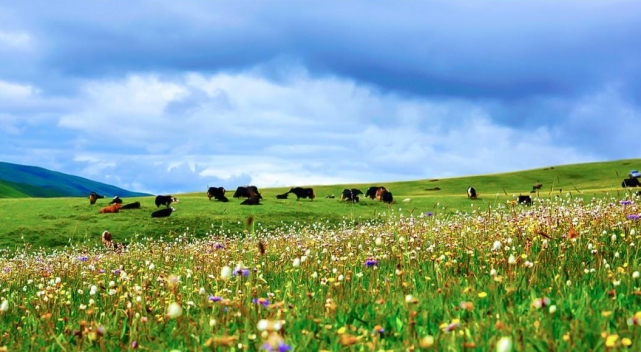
174	96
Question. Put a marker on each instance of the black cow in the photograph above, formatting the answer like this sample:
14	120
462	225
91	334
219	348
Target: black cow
351	195
251	201
135	205
162	213
371	192
93	196
247	192
165	200
386	197
471	193
303	193
631	182
116	200
282	196
218	193
526	200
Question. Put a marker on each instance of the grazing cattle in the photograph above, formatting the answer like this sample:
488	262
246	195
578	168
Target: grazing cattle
93	196
471	193
351	195
247	192
331	196
251	201
303	193
110	209
107	242
116	200
163	213
371	192
386	197
631	182
282	196
165	200
526	200
135	205
218	193
536	186
379	193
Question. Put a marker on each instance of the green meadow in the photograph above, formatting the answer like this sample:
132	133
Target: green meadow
56	222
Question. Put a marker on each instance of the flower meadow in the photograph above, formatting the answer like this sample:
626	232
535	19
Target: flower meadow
560	275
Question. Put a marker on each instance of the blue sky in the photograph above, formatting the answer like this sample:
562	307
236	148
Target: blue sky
172	96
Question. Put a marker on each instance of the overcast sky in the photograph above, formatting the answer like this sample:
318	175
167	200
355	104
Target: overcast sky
172	96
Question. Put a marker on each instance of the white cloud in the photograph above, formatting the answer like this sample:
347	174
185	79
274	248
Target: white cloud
18	40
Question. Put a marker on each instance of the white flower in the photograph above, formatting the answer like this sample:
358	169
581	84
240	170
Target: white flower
635	275
379	241
4	306
225	273
496	246
504	344
151	266
552	309
202	291
174	310
408	298
511	260
93	290
296	262
212	322
262	325
492	272
614	238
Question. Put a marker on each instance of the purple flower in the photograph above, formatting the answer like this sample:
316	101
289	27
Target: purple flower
219	246
83	258
371	262
6	270
429	214
633	216
625	202
101	271
215	298
282	347
452	326
262	301
134	345
245	272
117	272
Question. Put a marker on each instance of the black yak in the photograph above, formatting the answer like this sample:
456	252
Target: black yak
471	193
165	200
351	195
135	205
116	200
218	193
526	200
631	182
93	196
303	193
251	201
282	196
371	192
247	192
386	197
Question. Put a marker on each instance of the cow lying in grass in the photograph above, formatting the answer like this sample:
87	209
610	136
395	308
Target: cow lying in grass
251	201
110	209
163	213
282	196
135	205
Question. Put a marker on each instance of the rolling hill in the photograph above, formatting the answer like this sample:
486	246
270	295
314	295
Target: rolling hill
20	181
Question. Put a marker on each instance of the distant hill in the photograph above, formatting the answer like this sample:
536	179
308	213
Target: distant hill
20	181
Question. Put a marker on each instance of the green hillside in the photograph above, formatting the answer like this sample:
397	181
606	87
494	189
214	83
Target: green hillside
57	221
21	180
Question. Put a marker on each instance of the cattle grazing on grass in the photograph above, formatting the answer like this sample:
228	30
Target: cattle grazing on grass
537	186
351	195
247	192
134	205
251	201
631	182
110	209
93	196
371	192
303	193
116	200
107	242
218	193
165	200
379	193
525	200
282	196
471	193
163	213
386	197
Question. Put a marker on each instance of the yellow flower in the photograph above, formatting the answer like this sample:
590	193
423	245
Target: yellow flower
626	342
426	342
482	294
611	341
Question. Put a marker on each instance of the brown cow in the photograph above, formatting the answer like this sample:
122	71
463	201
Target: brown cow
379	193
110	209
107	242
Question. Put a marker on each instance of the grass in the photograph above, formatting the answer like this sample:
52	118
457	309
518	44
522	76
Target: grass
562	275
54	223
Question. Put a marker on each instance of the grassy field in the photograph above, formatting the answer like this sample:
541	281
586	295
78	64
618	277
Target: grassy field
56	222
562	275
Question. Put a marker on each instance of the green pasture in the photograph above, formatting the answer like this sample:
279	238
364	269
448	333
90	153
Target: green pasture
56	222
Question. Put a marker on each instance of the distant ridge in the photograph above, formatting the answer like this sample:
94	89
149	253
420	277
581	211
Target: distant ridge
20	181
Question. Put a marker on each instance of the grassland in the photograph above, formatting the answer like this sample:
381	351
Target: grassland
54	223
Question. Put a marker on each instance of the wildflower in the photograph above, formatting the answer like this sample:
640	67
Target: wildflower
552	309
202	291
134	345
496	246
625	202
379	241
4	306
633	216
511	260
296	263
225	273
371	262
504	344
263	301
83	258
626	342
611	341
214	298
482	295
426	342
635	275
174	310
429	214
